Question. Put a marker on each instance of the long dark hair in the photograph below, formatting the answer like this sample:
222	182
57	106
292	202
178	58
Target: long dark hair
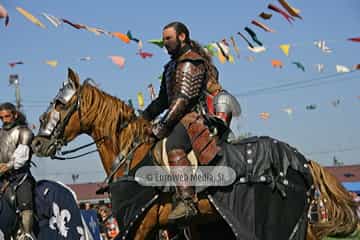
181	28
7	106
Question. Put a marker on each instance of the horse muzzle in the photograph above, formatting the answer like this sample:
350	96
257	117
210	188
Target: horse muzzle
43	147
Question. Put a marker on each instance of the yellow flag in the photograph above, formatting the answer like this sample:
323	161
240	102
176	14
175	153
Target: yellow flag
231	59
52	63
285	48
30	17
140	98
221	57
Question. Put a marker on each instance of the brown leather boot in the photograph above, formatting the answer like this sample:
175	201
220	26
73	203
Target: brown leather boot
185	207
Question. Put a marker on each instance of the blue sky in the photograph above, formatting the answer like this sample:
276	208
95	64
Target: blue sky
319	134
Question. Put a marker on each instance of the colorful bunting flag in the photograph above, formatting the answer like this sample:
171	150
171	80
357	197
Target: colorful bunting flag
265	16
246	40
276	63
253	35
211	48
118	60
52	19
140	98
13	64
130	36
285	48
356	39
157	42
4	14
52	63
319	67
140	45
282	12
262	26
291	10
299	65
151	90
121	36
257	49
342	69
322	45
224	48
236	48
74	25
144	54
95	30
264	115
356	67
30	17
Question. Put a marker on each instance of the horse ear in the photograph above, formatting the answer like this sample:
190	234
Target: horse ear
73	78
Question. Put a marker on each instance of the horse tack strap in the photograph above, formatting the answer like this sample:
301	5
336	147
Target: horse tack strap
4	186
121	159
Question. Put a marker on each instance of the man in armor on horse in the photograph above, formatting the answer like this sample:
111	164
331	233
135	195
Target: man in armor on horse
182	92
15	158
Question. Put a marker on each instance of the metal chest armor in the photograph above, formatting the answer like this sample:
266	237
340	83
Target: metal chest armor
183	78
9	140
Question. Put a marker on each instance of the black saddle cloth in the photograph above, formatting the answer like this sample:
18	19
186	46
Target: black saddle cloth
265	202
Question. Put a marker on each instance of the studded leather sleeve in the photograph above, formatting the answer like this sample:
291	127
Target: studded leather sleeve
190	79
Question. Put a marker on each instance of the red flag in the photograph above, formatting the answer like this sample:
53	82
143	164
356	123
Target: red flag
13	64
356	39
144	54
282	12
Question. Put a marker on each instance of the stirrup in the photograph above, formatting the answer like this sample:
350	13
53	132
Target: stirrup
26	236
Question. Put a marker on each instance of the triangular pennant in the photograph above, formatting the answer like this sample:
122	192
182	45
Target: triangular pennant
285	48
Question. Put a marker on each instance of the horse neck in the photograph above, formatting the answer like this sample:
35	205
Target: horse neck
102	115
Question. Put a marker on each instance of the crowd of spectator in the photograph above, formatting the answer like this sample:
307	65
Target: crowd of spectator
108	224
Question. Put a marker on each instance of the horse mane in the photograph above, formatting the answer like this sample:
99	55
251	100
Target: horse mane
106	113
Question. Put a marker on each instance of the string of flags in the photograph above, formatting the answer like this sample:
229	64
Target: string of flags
290	111
221	49
4	15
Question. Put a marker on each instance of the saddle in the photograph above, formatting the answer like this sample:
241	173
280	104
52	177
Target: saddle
8	190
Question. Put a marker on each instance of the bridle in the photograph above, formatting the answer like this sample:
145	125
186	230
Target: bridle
55	128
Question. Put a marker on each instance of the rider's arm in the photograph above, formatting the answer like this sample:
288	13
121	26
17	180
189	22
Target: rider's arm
158	105
22	153
190	79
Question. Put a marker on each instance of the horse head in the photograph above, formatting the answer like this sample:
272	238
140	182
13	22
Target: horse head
61	122
83	108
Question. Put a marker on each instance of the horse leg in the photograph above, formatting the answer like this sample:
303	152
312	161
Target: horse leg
148	223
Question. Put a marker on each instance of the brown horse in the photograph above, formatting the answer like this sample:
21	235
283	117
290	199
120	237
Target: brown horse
84	109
